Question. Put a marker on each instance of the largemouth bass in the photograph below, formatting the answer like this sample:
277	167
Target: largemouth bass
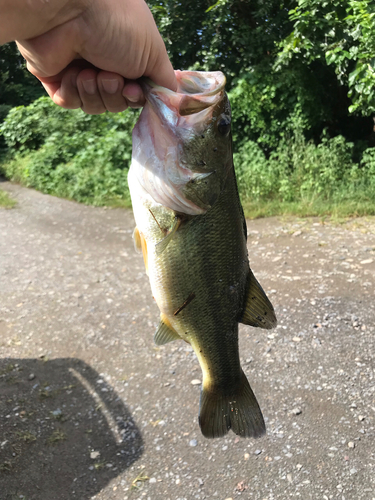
192	233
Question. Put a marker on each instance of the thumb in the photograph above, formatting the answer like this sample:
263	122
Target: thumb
160	69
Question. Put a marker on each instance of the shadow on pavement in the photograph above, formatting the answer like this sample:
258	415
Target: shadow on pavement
64	432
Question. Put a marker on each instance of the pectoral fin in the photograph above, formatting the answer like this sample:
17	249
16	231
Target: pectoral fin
165	333
162	245
137	240
258	310
140	245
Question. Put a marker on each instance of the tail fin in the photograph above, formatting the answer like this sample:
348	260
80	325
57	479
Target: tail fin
238	411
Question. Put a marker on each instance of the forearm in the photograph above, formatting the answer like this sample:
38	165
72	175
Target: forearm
25	19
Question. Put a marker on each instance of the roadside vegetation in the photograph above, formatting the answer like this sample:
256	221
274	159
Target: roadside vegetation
301	80
5	200
68	153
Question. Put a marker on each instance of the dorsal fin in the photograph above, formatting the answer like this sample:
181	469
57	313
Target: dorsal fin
258	310
165	333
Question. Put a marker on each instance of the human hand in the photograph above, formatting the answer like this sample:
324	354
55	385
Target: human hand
92	60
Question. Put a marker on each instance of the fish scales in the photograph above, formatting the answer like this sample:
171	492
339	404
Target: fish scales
201	282
207	257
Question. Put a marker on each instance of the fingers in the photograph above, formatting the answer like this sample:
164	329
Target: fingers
96	36
110	87
132	92
64	93
88	90
92	90
103	90
68	96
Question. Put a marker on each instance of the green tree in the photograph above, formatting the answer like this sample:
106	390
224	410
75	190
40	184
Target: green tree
341	35
17	86
230	35
278	59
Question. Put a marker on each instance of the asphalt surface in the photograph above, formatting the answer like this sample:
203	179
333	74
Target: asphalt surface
91	409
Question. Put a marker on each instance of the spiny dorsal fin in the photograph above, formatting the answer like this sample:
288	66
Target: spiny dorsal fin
162	245
258	310
165	333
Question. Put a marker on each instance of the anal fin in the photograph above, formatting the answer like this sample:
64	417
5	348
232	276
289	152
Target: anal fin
162	245
258	310
165	333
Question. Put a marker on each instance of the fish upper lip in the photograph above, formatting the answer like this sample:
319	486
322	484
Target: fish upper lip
198	93
148	85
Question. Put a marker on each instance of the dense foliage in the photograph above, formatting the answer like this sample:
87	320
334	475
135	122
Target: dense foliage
341	35
228	35
70	154
17	85
312	58
300	170
301	80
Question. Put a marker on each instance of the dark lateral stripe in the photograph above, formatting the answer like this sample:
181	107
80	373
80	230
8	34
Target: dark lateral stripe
186	303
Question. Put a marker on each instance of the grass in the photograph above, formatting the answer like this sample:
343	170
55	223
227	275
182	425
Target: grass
137	482
99	465
5	466
309	208
12	380
342	205
5	200
267	208
117	203
9	368
56	437
26	436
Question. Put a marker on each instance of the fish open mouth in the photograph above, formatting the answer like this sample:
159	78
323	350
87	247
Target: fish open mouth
196	91
170	121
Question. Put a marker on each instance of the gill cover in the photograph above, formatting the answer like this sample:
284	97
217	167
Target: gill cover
182	144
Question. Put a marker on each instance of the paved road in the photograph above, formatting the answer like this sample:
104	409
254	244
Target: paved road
88	404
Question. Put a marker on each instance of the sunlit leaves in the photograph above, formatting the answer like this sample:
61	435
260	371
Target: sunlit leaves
343	34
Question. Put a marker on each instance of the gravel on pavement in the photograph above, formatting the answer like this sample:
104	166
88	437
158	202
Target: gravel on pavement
90	408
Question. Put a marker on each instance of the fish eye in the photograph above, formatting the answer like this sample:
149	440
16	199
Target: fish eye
223	124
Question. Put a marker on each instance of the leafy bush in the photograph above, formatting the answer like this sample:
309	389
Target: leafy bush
299	170
28	127
4	110
364	173
339	34
69	153
86	158
267	105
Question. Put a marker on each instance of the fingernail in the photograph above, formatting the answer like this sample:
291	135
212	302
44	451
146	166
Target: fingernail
89	86
110	86
132	98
